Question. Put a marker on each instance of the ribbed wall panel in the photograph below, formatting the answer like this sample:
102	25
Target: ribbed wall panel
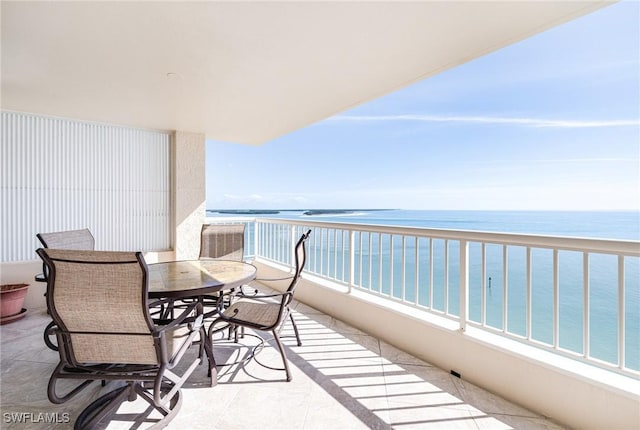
58	174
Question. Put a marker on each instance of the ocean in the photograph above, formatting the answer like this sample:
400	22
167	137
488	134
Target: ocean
606	225
603	272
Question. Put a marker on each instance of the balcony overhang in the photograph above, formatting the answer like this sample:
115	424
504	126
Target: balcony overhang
244	72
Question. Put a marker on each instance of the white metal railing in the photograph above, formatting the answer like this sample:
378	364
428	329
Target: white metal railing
573	296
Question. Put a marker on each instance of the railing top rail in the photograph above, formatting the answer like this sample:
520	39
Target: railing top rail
608	246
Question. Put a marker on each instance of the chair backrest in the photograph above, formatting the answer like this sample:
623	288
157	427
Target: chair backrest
98	299
300	255
222	241
70	239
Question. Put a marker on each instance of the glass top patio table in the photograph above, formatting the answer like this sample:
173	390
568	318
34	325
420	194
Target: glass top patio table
193	278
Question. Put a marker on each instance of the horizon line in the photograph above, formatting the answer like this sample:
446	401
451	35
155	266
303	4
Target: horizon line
428	210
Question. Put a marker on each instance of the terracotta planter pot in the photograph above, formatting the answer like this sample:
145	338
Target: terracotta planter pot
11	300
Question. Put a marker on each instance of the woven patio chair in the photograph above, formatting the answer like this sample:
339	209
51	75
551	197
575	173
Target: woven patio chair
98	301
222	241
266	312
70	239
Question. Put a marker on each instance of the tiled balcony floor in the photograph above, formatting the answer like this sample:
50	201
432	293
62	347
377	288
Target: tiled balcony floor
342	379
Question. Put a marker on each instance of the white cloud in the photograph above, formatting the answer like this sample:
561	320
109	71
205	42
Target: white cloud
252	197
259	201
587	160
300	199
490	120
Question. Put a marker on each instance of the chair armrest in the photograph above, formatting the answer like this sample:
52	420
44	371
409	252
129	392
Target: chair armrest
221	307
263	296
266	296
273	279
241	291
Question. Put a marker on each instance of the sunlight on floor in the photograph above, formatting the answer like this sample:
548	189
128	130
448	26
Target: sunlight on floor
342	379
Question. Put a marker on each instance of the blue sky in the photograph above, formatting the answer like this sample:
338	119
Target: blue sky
549	123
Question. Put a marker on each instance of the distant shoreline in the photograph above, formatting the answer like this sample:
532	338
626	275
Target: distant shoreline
309	212
245	211
327	212
342	211
338	211
619	225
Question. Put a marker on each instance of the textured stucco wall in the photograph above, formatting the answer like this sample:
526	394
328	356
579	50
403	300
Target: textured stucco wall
189	192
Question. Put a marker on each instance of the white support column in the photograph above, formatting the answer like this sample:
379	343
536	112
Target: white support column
188	190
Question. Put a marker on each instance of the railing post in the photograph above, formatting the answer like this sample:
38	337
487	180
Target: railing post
586	306
292	244
556	298
255	238
464	284
621	313
352	258
529	299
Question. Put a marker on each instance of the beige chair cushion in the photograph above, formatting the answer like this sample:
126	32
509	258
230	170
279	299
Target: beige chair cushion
254	311
115	349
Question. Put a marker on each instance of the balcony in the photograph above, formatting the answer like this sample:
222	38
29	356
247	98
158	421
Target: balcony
381	351
70	159
342	378
426	292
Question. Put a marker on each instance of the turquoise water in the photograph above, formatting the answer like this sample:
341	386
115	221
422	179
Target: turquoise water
607	225
603	275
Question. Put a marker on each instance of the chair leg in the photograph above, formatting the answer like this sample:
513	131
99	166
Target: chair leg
54	397
48	332
104	410
282	354
208	348
295	328
102	407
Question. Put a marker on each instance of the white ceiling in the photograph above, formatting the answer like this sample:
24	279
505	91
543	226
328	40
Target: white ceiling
245	71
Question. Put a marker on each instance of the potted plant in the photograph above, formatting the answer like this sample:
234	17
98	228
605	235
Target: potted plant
11	300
